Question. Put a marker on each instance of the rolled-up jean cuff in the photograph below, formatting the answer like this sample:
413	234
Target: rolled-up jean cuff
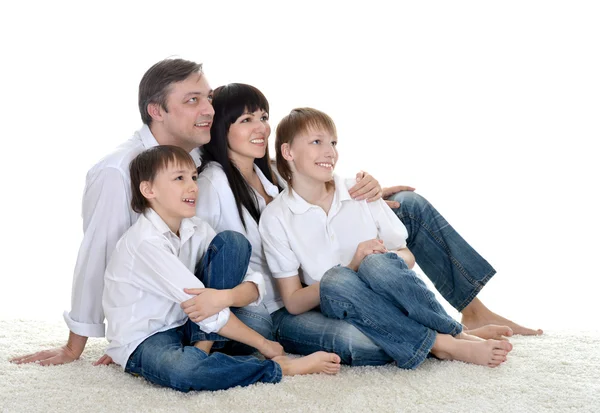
423	351
202	336
476	289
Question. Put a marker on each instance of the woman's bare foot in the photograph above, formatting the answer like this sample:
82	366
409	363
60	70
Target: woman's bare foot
271	349
318	362
491	331
489	353
477	315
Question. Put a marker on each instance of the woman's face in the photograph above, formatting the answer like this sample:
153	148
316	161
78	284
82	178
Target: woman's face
248	136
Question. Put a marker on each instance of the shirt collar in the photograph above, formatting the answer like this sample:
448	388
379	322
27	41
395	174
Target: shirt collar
186	230
298	205
149	141
270	189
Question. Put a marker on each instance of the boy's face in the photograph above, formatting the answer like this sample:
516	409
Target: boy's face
313	155
173	193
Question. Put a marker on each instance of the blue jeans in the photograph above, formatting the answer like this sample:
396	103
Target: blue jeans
169	359
453	266
385	301
225	269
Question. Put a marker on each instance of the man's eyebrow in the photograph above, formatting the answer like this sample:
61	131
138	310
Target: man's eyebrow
198	93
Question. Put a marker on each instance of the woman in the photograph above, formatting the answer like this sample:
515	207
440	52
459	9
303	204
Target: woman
236	184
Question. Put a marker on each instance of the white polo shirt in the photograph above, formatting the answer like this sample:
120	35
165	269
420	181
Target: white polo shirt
107	214
301	239
216	205
145	278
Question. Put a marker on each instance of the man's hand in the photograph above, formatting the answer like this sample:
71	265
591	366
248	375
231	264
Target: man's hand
60	355
366	187
207	302
104	361
372	246
389	191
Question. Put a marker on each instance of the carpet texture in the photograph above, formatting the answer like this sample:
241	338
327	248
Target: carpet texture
559	371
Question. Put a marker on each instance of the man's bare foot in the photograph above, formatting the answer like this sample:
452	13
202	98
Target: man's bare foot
204	345
318	362
491	331
477	315
271	349
489	353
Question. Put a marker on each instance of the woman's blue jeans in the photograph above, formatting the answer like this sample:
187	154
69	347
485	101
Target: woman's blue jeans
169	358
453	266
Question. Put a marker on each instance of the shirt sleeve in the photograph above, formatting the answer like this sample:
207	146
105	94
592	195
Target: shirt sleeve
106	216
161	273
281	259
389	227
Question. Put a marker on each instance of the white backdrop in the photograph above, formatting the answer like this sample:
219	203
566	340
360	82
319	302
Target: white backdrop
489	109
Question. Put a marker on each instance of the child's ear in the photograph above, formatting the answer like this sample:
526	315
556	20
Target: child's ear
286	152
155	111
146	189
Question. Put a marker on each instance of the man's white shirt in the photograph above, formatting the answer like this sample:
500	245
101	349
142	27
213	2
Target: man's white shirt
216	205
299	238
145	278
107	214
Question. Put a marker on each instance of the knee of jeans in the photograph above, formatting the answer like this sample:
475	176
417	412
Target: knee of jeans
233	238
410	201
381	264
338	280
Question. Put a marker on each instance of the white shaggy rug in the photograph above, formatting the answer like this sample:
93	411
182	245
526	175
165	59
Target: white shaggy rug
559	371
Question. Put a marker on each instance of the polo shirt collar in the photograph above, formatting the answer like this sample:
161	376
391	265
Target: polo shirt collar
298	205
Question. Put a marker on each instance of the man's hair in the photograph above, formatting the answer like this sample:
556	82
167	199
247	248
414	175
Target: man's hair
147	164
230	102
156	83
297	122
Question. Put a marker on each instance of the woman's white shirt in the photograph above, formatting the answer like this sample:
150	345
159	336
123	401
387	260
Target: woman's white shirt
299	238
216	205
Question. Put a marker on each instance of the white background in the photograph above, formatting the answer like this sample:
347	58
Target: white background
491	110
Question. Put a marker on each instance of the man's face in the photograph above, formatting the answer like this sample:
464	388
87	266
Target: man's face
189	114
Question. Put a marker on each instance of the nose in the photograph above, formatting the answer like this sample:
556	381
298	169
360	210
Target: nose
206	108
193	186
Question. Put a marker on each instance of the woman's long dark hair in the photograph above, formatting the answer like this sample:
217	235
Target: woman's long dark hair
230	102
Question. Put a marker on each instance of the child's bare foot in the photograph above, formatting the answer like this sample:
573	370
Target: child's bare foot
271	349
489	353
477	315
491	331
466	336
318	362
204	345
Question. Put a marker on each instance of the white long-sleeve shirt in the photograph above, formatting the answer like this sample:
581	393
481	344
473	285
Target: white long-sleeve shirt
106	214
216	205
299	238
145	278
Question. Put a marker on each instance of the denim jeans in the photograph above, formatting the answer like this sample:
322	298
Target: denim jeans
381	313
453	266
224	268
169	359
